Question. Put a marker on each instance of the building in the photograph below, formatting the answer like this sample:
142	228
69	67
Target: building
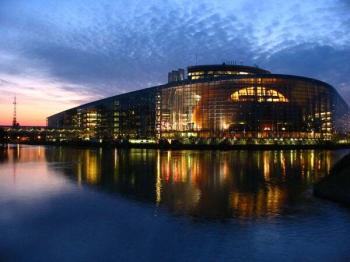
176	75
215	102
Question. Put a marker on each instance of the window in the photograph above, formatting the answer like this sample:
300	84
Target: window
258	94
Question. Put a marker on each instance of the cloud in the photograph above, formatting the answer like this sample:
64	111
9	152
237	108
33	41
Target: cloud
37	98
318	61
102	48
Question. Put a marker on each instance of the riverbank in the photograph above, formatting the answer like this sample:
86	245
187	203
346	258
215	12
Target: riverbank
180	146
336	186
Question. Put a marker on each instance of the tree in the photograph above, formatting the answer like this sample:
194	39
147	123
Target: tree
2	136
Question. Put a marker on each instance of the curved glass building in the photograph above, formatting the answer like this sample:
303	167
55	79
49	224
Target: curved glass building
215	101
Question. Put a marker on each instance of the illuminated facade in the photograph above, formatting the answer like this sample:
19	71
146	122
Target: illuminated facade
216	102
130	115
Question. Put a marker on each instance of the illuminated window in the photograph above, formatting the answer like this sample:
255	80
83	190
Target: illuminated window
259	94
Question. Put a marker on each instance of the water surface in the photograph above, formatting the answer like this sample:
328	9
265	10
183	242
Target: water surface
61	203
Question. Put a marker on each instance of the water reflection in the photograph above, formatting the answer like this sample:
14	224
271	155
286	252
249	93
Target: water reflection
208	184
20	153
24	174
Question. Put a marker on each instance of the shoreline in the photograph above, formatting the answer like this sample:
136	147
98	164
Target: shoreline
222	147
336	185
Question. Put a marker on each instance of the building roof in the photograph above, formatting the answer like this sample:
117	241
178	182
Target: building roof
228	67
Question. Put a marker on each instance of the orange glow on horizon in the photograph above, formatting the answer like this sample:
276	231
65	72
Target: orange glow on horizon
32	113
37	98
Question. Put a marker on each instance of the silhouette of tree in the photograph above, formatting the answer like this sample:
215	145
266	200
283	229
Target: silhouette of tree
2	136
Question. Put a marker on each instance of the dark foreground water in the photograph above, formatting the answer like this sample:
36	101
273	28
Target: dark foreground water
65	204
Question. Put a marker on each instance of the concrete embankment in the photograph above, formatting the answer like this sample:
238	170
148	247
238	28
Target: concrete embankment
336	186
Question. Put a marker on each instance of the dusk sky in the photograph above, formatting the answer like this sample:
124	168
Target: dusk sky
58	54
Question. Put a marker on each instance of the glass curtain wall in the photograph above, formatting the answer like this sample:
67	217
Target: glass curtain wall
255	107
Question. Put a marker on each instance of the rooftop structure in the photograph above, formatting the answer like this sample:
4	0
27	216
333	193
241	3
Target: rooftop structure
212	71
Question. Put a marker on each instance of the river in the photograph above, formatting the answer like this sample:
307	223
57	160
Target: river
79	204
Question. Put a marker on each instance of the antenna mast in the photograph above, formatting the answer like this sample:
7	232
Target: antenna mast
14	121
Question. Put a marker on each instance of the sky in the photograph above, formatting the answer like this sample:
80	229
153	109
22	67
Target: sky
55	55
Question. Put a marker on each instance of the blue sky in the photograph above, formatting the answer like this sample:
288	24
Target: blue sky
58	54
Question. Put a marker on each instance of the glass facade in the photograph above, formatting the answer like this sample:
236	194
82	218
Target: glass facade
130	115
265	106
240	106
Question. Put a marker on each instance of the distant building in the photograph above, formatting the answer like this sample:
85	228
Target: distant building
216	101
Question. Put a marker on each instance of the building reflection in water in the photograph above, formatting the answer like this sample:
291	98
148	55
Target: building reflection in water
209	184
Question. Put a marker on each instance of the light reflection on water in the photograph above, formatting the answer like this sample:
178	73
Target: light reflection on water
211	184
24	174
242	205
